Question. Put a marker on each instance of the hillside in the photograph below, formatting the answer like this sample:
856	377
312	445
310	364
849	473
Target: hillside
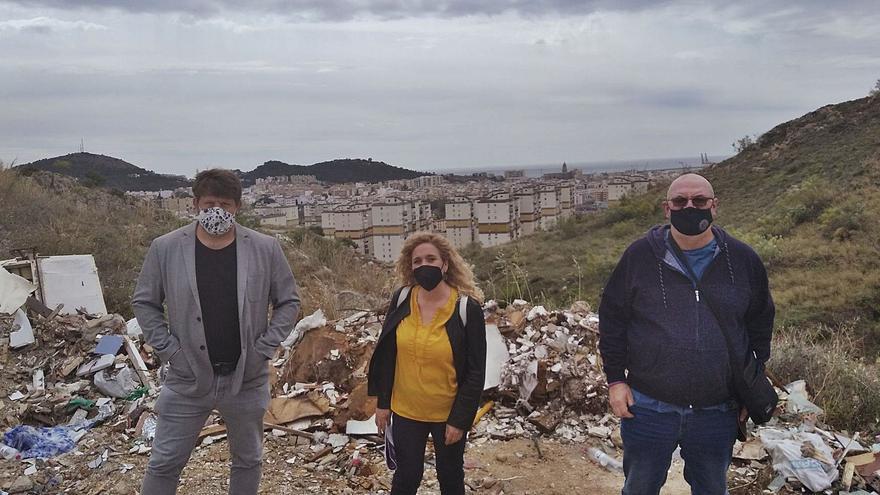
58	215
334	171
104	171
805	196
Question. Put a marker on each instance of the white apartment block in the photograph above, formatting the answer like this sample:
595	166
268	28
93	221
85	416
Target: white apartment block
275	221
392	222
379	229
617	189
426	181
497	219
351	222
460	216
566	201
528	202
549	203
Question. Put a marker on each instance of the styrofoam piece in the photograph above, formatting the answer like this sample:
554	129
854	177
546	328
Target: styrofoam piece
14	291
366	427
72	280
496	356
25	333
133	328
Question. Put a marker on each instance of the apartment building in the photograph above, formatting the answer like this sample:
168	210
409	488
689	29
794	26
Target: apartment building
566	200
617	189
497	219
460	223
392	222
549	204
426	181
528	202
352	222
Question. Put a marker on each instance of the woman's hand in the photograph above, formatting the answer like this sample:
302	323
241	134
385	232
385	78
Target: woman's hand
382	417
453	434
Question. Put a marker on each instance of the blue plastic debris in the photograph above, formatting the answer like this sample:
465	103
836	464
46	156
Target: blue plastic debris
40	442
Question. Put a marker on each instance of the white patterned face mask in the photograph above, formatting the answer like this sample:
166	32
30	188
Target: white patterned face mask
216	220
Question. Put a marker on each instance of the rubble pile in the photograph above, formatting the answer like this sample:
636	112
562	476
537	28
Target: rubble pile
552	381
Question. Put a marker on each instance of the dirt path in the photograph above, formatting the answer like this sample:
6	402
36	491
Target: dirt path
514	466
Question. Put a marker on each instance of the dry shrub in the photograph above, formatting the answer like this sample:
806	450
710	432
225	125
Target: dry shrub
332	276
847	388
57	215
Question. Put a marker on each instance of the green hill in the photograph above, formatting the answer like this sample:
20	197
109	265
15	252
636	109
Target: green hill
805	195
334	171
105	171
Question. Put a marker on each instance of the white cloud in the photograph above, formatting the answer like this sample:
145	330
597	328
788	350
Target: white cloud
47	24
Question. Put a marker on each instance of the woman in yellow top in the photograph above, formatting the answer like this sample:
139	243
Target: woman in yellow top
429	365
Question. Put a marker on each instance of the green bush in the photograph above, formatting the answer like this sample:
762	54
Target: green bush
840	221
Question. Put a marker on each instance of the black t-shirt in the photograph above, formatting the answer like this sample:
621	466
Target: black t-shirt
217	279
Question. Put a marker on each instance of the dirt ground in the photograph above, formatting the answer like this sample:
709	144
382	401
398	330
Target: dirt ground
511	467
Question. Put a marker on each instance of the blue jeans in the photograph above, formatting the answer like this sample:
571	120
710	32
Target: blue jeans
706	437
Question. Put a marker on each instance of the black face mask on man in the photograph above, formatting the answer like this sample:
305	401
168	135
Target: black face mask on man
428	276
691	221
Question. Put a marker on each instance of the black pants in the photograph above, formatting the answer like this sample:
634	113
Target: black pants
410	438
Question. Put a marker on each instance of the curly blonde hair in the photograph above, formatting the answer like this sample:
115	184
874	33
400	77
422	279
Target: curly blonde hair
458	273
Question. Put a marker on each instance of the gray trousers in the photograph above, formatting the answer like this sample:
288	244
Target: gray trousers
181	418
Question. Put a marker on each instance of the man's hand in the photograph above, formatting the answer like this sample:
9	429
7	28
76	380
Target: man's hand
620	397
453	434
743	415
382	417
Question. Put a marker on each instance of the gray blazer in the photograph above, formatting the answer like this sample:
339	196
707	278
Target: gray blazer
169	277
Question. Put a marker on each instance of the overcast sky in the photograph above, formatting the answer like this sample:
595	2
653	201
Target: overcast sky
177	85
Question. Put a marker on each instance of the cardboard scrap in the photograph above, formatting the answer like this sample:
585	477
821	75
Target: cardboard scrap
288	409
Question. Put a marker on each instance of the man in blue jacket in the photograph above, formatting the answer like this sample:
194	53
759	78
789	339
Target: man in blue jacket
664	354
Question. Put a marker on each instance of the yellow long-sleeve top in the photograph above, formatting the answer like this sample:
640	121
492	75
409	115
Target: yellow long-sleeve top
424	378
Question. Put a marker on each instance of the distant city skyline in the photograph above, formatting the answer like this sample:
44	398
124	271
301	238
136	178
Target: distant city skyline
433	86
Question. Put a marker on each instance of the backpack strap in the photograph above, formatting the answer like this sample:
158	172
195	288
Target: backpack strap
404	292
462	309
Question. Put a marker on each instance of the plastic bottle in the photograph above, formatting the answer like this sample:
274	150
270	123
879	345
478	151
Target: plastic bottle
9	453
605	460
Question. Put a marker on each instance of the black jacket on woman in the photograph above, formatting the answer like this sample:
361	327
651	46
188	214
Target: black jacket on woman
468	355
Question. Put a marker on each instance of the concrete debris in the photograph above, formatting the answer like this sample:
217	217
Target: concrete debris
95	365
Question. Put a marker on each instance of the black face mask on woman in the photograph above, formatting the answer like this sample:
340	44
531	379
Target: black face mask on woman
691	221
428	276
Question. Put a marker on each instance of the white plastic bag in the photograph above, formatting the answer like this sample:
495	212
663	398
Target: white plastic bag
816	472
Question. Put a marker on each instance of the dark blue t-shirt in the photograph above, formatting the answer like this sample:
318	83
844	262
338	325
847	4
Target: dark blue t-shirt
700	258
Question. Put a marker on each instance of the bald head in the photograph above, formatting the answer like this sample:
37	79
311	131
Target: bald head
690	185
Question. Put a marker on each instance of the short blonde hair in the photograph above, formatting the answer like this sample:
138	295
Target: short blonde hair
458	272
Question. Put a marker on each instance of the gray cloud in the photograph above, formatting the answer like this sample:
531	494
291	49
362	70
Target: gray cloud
349	9
418	84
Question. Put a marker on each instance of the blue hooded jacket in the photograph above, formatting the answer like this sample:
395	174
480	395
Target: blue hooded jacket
659	336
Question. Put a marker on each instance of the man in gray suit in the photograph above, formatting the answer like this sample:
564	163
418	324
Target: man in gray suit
217	280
